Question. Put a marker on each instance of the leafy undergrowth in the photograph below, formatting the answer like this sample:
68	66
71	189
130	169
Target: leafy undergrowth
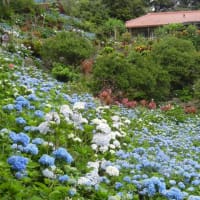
56	144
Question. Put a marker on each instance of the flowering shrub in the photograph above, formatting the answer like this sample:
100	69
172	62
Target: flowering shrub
67	48
56	144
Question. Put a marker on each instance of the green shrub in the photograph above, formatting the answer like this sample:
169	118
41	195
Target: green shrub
180	31
67	48
137	77
148	79
196	88
180	59
111	70
63	73
22	6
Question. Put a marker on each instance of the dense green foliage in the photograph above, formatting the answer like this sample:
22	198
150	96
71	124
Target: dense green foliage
136	76
72	31
67	48
161	69
63	73
180	59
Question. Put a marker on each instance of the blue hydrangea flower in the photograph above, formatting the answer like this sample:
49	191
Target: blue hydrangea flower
153	185
9	107
63	178
172	182
20	174
104	179
20	120
61	153
21	138
72	192
17	146
39	113
46	160
31	107
118	185
174	193
196	182
32	97
31	128
22	101
192	197
18	107
181	185
18	163
38	141
127	179
31	148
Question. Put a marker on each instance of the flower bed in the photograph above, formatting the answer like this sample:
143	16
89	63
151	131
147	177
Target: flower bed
56	144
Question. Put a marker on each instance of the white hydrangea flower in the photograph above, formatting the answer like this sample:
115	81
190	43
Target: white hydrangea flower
116	197
94	147
94	165
78	119
48	105
77	139
66	111
115	134
79	106
53	167
117	125
112	146
112	151
84	181
50	144
122	134
71	135
84	121
104	127
96	121
101	139
112	171
127	121
44	128
103	149
52	117
49	174
116	143
115	118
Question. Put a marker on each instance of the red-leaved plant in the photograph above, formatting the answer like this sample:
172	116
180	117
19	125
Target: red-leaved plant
86	66
190	110
106	96
166	107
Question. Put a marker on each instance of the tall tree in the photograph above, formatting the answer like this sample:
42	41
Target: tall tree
93	11
189	4
162	5
125	9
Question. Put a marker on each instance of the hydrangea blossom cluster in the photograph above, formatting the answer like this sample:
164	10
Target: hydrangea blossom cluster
20	120
63	178
169	147
104	138
20	138
62	153
18	163
31	149
47	160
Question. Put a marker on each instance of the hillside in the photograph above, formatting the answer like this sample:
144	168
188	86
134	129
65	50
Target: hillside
57	144
88	112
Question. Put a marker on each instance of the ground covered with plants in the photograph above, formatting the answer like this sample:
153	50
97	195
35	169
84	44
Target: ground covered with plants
88	112
56	144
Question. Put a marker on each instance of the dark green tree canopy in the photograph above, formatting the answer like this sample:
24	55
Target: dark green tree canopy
125	9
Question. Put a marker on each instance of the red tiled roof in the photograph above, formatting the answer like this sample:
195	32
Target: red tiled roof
163	18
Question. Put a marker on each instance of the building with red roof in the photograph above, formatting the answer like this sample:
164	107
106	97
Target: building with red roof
146	24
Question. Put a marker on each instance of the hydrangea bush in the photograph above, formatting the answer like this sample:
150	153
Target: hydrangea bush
56	144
